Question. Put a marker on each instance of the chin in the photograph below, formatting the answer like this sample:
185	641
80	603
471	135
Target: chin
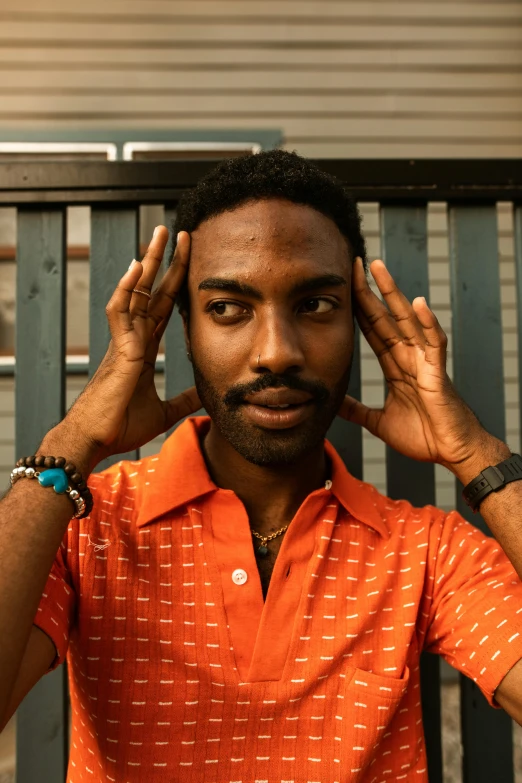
274	448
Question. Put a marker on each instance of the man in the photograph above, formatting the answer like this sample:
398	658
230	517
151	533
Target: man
240	608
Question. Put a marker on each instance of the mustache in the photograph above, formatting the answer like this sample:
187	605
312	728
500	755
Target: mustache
236	394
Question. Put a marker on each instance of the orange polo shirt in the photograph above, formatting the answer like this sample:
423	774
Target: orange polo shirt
179	671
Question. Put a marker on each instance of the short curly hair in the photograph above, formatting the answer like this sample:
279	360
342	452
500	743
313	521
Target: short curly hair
271	174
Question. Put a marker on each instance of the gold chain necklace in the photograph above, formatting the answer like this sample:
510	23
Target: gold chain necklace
262	550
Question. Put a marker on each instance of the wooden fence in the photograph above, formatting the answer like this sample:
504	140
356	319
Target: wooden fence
41	191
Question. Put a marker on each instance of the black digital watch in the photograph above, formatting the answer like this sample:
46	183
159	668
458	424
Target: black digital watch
492	479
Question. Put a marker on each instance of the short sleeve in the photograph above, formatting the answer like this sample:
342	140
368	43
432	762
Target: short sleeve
56	609
476	604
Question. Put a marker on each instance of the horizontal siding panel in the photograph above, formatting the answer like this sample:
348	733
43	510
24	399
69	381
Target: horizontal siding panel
179	33
154	91
312	79
508	130
348	147
362	58
8	429
7	461
296	12
7	402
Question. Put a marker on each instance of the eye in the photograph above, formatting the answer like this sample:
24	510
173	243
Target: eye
318	305
226	310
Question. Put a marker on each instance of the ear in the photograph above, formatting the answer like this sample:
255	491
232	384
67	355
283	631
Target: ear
186	335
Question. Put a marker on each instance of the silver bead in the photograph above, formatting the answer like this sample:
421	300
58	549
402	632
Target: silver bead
74	494
80	508
29	472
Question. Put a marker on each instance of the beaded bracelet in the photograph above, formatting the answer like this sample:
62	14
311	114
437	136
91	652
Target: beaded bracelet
62	475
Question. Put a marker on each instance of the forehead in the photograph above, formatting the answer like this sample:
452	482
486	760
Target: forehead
267	237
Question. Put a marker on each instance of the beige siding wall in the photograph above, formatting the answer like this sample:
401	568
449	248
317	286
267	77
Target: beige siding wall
340	78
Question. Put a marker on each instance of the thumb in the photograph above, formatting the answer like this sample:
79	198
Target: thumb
358	413
183	405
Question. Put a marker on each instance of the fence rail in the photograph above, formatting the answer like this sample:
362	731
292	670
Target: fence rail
41	191
145	182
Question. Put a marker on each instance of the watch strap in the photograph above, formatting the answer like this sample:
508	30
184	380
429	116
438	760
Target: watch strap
492	479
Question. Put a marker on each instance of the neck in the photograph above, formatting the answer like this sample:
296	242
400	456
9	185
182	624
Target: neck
271	496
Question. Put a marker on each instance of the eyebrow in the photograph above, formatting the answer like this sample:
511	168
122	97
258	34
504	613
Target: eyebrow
243	289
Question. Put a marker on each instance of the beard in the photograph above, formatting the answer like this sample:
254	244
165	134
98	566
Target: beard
267	447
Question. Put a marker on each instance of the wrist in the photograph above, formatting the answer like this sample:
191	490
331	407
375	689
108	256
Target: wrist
62	442
488	451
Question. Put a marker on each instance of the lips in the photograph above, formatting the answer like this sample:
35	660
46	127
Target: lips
278	408
278	398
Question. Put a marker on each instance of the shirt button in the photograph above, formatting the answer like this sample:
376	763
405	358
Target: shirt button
239	576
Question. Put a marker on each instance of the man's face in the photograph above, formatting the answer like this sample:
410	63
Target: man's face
271	325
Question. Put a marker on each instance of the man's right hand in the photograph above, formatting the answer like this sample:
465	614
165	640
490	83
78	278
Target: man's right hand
119	409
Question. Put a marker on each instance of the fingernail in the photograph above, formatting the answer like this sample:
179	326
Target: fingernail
155	231
132	263
178	236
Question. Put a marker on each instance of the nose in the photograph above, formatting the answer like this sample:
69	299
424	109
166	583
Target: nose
276	347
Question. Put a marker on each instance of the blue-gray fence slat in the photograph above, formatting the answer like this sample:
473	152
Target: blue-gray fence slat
178	370
345	436
404	242
405	252
517	216
41	739
114	243
478	376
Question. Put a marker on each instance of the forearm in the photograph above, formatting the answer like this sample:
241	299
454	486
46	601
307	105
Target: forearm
502	510
33	521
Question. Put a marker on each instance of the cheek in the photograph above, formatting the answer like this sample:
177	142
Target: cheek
222	354
329	351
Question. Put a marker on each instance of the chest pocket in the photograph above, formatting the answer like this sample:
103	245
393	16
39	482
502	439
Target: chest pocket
370	702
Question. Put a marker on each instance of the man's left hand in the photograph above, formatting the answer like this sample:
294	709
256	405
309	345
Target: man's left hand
423	416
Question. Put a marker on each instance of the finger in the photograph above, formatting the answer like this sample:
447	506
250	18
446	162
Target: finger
355	411
183	405
375	311
377	345
164	298
153	342
118	307
150	264
398	304
435	338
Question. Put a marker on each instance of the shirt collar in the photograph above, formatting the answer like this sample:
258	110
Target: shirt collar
181	476
358	498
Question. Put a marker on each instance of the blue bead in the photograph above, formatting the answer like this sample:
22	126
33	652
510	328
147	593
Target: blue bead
54	477
262	551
